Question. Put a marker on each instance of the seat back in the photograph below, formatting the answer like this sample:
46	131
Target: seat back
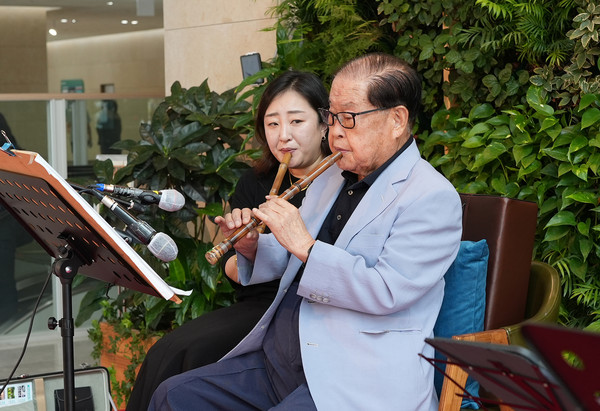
508	226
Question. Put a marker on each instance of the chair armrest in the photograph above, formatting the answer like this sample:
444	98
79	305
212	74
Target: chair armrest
543	303
543	300
450	399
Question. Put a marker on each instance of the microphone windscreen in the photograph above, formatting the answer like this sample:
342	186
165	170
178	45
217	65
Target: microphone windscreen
171	200
163	247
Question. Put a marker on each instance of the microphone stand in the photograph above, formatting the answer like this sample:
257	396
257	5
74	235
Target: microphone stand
66	268
73	233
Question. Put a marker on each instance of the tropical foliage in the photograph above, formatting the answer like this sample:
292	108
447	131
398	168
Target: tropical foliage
195	144
510	90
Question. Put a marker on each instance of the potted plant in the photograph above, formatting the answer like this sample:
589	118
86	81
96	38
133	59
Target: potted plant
196	144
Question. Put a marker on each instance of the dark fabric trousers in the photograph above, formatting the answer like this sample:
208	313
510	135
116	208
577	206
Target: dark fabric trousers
239	383
199	342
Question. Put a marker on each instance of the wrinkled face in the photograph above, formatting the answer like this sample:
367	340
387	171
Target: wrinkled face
292	125
376	136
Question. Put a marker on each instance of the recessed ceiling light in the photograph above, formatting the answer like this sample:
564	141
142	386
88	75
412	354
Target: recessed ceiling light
109	3
73	21
124	22
134	22
64	20
52	32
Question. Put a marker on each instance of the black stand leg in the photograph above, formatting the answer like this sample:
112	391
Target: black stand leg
66	269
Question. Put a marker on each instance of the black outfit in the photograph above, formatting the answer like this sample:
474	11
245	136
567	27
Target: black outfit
209	337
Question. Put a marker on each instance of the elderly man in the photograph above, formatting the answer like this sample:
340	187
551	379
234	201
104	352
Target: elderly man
361	267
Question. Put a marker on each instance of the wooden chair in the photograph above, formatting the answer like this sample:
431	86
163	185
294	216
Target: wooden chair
517	288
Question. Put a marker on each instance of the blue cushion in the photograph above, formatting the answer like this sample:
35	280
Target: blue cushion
463	308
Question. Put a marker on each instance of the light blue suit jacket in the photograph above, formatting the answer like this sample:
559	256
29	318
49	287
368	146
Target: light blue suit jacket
372	298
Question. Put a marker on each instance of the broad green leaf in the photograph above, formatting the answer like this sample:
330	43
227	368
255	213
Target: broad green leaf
578	267
564	217
491	152
535	101
453	57
584	227
479	128
474	141
585	197
585	246
559	154
481	111
501	132
498	120
564	168
499	184
581	172
556	233
426	53
176	271
594	142
211	209
528	160
554	131
490	81
586	100
520	151
594	163
548	122
590	117
547	206
534	166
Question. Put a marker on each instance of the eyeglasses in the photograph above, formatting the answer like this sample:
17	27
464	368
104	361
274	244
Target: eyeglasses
345	118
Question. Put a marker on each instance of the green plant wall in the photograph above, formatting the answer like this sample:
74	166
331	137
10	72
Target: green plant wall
522	80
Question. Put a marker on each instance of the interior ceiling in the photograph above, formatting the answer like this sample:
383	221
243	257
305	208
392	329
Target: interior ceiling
95	17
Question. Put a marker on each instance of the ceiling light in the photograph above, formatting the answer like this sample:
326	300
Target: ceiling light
134	22
64	20
109	3
52	32
73	21
124	22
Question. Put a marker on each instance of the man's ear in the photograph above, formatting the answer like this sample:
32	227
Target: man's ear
400	116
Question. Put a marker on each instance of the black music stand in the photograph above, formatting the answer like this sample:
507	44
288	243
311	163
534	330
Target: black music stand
72	232
540	378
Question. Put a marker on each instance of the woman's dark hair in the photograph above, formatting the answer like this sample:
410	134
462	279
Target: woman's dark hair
308	86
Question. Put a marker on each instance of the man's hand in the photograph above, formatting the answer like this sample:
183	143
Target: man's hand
284	221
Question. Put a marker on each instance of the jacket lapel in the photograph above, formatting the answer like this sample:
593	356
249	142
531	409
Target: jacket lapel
383	191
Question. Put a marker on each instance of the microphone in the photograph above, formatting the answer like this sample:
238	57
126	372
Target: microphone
159	244
168	200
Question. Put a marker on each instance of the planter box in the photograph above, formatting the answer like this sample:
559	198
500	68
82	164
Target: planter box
120	360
